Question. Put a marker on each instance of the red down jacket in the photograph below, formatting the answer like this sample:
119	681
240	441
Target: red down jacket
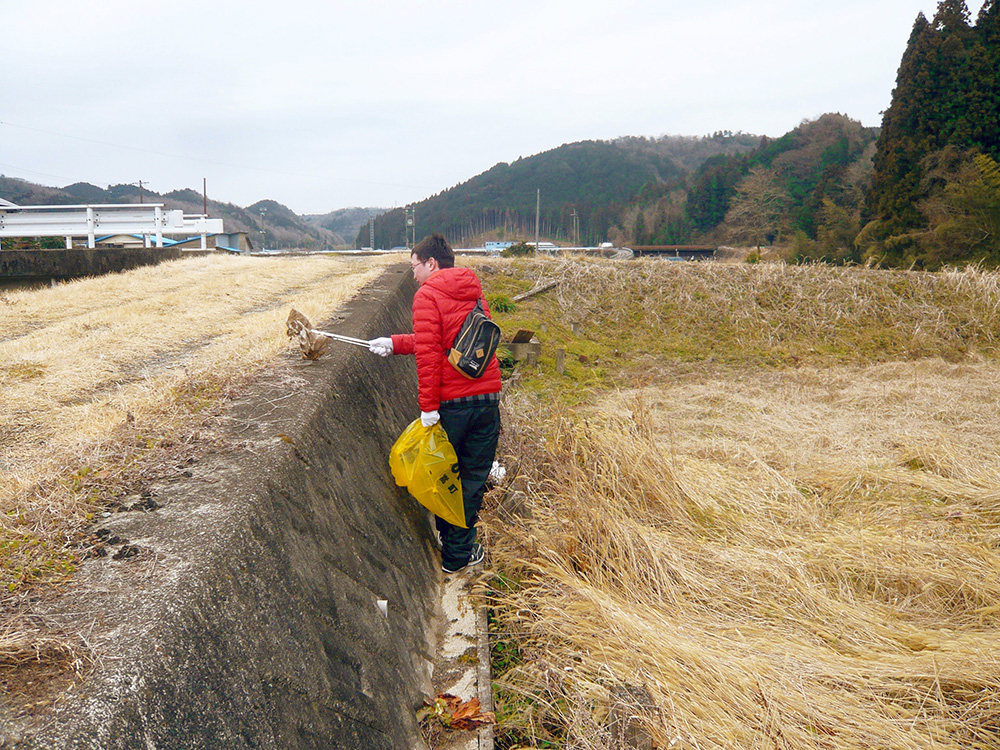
439	309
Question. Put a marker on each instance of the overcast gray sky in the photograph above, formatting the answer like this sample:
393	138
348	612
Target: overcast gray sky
328	105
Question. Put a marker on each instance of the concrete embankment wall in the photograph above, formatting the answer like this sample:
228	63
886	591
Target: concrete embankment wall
250	617
79	261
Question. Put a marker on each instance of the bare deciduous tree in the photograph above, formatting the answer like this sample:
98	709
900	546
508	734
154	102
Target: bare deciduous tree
759	210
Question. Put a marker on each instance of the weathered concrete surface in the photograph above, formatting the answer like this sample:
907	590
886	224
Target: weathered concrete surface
250	618
79	261
462	667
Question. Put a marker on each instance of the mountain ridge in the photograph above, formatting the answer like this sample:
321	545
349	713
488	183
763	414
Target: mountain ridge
633	189
266	219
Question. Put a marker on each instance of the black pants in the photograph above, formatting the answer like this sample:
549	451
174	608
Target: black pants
473	430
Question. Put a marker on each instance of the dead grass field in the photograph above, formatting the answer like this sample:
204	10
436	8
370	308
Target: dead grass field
735	539
104	381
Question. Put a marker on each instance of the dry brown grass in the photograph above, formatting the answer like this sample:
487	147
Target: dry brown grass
33	660
756	557
103	379
766	313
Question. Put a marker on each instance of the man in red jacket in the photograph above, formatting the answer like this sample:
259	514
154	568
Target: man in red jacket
468	409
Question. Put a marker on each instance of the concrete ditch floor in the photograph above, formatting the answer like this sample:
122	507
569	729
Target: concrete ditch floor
462	667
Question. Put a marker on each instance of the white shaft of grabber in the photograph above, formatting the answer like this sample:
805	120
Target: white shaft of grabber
338	337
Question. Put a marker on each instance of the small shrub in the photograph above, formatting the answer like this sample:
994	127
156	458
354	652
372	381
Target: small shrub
506	360
518	250
500	304
803	249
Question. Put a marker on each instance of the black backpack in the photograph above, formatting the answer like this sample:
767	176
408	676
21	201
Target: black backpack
475	344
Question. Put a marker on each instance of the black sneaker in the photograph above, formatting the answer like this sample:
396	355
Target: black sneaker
477	556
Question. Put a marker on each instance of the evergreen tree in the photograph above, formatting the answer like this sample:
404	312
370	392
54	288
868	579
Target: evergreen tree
639	231
947	95
713	189
952	19
905	137
984	97
947	117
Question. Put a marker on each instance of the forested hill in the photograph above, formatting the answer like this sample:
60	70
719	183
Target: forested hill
343	222
809	184
593	179
267	222
935	192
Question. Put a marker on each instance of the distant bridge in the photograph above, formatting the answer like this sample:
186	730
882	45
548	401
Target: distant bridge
688	252
91	221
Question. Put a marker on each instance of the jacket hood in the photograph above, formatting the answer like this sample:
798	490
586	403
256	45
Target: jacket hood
458	283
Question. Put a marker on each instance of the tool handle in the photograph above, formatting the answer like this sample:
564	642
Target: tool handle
344	339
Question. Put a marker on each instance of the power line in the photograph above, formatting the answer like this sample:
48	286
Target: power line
207	161
35	171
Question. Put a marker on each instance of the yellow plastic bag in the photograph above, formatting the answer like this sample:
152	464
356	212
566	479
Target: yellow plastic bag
423	461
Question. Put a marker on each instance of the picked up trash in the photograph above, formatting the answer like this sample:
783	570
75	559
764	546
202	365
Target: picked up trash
423	461
312	342
498	473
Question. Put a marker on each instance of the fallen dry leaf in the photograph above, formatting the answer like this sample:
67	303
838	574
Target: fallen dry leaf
451	711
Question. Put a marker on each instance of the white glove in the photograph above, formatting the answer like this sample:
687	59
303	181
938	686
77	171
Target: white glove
429	418
381	346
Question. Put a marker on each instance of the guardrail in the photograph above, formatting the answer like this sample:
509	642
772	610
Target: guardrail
149	220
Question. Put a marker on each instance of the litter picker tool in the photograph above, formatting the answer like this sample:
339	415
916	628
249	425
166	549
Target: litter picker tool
312	342
338	337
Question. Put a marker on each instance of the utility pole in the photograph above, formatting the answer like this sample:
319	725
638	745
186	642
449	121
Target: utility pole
262	211
140	191
576	228
371	233
204	195
411	225
538	207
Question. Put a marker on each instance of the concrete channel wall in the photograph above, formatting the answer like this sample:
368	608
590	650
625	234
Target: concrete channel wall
250	617
79	261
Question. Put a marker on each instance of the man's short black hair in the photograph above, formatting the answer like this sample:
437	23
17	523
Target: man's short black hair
437	247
